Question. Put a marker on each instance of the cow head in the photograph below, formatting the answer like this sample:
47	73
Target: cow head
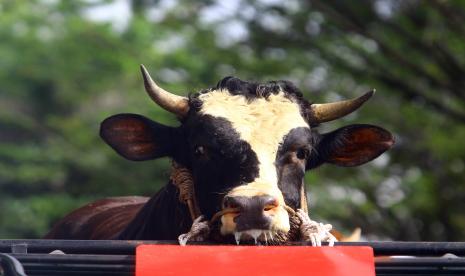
248	146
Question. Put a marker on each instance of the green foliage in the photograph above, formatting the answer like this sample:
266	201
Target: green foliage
63	73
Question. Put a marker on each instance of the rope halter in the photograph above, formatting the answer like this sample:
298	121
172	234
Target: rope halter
181	177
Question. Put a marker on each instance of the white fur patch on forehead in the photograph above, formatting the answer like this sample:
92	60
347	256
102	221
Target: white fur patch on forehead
263	123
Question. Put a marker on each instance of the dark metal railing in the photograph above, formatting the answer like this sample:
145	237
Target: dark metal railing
117	257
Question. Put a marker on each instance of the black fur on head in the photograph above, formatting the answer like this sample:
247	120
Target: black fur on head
226	160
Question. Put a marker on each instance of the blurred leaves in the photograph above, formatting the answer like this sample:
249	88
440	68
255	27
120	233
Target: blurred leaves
62	72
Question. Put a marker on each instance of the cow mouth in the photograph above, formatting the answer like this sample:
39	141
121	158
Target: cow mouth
269	237
258	237
262	236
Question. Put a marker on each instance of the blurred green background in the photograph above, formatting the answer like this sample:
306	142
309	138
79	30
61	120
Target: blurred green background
67	65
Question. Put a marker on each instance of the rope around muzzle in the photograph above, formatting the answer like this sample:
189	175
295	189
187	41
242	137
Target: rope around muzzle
302	227
181	177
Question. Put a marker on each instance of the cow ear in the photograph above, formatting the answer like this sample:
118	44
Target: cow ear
353	145
136	137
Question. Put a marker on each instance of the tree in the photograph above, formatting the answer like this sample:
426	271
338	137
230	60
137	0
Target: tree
64	73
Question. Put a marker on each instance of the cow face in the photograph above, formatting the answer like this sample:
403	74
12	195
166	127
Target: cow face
248	146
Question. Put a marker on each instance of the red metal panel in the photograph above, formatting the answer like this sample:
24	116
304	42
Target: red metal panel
259	260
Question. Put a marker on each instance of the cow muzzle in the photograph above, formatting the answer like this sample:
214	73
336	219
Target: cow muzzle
257	216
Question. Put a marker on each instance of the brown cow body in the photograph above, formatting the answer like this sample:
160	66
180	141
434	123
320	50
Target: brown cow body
100	220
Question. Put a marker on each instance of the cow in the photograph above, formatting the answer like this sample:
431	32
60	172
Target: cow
245	148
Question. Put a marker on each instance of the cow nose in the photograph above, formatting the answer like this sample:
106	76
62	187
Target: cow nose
254	212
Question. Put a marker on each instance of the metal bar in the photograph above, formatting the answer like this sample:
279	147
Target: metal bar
130	259
87	273
80	267
75	258
421	261
78	246
128	247
415	271
111	257
412	248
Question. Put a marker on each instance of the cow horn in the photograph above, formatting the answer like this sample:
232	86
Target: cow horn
173	103
331	111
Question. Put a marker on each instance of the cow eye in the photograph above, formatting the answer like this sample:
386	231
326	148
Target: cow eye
302	153
199	151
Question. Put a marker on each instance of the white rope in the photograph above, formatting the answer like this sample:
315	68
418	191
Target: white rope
199	232
313	231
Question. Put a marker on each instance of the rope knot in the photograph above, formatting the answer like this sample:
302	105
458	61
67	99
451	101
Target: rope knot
181	177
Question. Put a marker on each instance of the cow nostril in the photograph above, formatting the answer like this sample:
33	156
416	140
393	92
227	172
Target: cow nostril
270	204
231	203
269	207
